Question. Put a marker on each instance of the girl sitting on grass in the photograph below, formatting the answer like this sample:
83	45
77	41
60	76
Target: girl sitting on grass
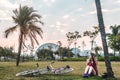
91	68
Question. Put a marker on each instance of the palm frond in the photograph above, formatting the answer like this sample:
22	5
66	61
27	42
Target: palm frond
16	20
31	39
36	29
10	30
34	37
35	16
41	22
15	12
24	45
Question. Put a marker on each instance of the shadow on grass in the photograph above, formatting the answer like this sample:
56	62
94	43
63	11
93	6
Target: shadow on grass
62	77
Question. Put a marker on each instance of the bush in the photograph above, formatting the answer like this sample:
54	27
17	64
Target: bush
101	59
112	58
74	59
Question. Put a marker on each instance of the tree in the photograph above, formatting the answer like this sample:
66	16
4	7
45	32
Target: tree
92	34
65	52
97	48
72	37
25	19
6	53
59	49
50	47
44	54
103	36
113	38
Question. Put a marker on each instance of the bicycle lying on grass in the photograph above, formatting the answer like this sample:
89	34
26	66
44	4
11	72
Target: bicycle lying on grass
49	68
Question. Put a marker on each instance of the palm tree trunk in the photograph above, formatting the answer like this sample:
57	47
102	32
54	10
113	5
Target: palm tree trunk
103	36
19	49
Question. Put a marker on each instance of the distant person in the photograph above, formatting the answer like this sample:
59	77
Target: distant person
91	67
37	65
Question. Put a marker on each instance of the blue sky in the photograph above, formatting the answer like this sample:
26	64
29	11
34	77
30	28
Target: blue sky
60	17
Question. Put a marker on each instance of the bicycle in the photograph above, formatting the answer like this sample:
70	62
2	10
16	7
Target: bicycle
49	68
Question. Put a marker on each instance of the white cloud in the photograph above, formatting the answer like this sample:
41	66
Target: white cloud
49	2
64	24
52	26
5	4
115	10
23	0
103	10
79	9
53	1
72	20
4	15
93	12
45	16
58	27
58	23
6	8
66	16
117	1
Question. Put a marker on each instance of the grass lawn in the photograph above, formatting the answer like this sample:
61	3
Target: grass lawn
8	70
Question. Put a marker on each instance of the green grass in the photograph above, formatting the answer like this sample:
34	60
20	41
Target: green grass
8	70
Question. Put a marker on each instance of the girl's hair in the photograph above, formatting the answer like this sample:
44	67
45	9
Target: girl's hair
92	57
92	54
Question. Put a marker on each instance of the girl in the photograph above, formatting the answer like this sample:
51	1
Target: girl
91	68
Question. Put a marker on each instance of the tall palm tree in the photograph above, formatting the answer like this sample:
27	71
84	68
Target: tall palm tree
25	19
103	36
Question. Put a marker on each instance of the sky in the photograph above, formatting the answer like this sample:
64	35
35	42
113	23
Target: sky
60	17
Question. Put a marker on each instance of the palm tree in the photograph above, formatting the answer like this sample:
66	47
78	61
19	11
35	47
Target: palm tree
113	38
25	19
103	36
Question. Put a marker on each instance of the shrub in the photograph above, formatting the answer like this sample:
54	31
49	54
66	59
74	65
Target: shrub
112	58
100	58
74	59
